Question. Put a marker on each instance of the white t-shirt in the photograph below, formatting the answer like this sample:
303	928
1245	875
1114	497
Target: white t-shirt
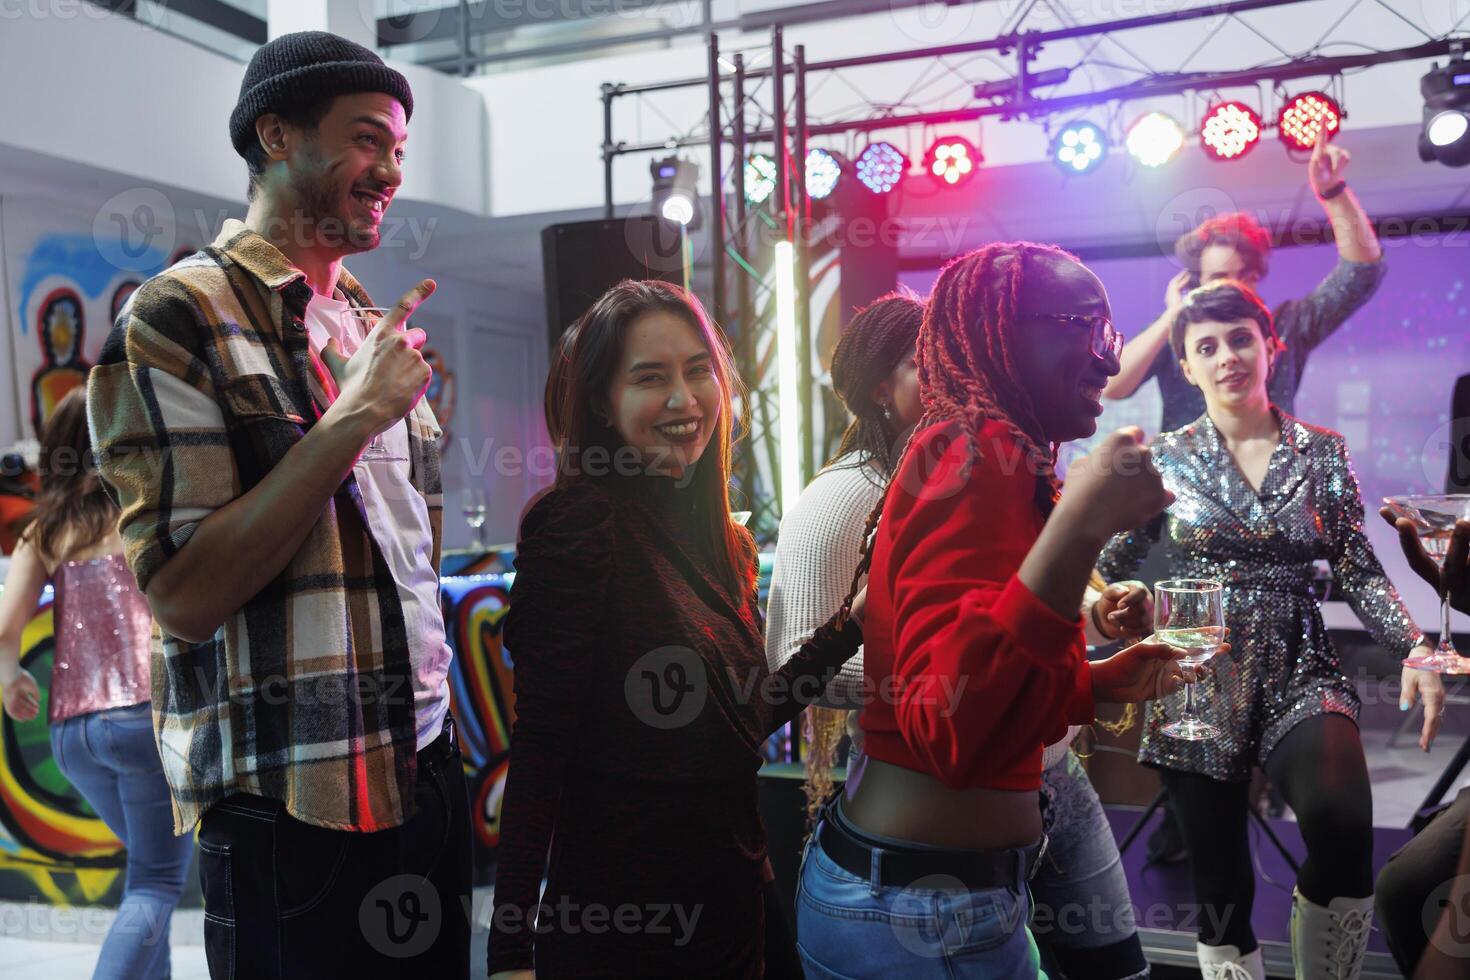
398	519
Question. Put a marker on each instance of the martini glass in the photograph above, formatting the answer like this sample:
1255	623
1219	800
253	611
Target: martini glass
1434	517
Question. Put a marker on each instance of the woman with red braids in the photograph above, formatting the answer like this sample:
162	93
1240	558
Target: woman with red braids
974	646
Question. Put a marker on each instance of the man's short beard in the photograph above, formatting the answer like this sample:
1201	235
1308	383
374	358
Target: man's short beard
323	225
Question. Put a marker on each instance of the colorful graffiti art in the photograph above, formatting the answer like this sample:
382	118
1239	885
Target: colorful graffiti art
481	692
53	847
61	331
440	393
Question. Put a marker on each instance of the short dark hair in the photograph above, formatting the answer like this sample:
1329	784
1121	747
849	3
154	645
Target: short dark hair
1238	230
306	118
1222	301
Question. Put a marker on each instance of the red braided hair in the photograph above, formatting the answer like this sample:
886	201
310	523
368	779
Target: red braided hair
967	366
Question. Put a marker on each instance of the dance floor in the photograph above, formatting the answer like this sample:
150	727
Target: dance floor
1164	896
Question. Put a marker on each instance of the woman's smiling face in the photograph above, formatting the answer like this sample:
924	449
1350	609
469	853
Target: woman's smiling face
664	400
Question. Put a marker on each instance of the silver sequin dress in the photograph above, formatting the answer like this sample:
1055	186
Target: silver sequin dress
1282	668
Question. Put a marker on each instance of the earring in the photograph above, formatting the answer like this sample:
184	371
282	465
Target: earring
888	412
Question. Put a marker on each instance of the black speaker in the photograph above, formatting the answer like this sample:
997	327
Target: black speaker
581	260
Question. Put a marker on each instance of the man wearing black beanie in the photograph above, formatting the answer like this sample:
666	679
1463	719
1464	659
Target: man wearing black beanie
263	430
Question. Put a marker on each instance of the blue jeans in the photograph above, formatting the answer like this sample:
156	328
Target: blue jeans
111	758
1084	917
848	927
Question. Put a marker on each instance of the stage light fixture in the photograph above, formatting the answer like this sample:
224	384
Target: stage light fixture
1079	148
675	187
880	167
1303	115
1154	138
952	160
760	177
1230	130
823	170
1446	133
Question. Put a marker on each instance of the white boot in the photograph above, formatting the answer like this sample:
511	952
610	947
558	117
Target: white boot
1227	963
1328	943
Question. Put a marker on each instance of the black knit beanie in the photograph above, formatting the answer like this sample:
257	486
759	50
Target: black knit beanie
297	70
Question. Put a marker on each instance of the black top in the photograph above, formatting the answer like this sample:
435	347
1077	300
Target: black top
643	698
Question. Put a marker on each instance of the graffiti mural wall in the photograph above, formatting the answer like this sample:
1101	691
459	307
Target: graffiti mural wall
53	847
69	273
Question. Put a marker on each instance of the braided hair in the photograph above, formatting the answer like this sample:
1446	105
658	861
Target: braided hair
967	366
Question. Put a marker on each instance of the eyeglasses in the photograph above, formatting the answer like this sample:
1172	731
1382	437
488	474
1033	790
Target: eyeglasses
1104	338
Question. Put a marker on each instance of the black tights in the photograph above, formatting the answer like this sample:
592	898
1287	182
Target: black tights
1320	769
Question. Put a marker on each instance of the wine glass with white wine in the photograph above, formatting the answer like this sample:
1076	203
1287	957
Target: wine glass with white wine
474	516
1434	517
1189	615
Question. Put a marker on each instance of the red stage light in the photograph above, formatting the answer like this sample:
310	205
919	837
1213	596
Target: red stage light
1304	115
951	161
1230	130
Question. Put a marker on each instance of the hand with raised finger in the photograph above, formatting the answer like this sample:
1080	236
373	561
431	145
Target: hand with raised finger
1327	164
386	377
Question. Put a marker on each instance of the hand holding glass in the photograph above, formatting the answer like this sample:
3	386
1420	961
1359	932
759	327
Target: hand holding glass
474	515
1189	615
1434	517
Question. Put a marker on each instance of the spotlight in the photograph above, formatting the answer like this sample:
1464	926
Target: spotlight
1154	138
1079	148
951	161
1230	130
1446	135
1302	116
880	167
675	185
760	177
823	170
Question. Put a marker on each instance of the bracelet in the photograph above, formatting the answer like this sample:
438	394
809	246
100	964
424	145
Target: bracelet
1334	190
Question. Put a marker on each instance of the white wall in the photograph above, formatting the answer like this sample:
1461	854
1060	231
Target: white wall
39	194
109	92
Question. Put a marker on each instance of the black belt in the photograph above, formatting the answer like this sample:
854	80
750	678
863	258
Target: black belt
974	870
446	745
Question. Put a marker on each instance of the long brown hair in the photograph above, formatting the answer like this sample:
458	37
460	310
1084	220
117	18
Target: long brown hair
967	365
579	382
73	511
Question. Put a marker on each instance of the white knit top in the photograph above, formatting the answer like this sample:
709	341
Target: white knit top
817	551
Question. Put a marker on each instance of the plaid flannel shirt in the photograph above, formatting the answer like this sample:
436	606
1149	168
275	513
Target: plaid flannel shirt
305	694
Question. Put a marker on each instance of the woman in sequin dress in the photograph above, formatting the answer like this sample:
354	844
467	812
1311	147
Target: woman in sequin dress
100	710
1260	497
